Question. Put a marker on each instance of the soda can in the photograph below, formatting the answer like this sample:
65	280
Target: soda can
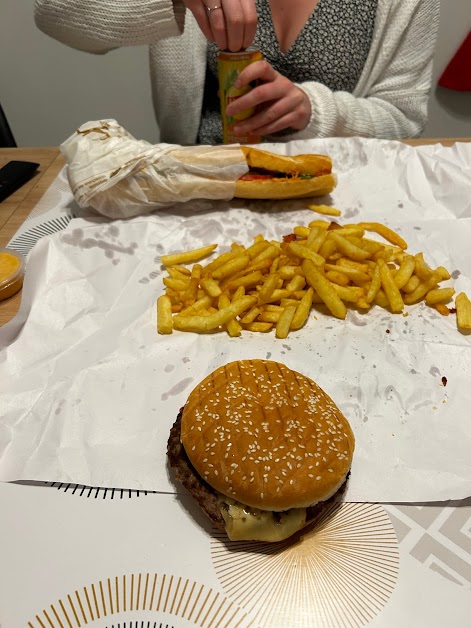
230	65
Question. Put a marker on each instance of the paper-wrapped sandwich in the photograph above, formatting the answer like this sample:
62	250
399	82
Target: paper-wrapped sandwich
261	448
120	177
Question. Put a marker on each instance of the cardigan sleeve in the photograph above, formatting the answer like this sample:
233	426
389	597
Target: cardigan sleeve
391	98
98	26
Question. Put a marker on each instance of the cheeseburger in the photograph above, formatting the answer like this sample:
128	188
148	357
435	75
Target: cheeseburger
261	448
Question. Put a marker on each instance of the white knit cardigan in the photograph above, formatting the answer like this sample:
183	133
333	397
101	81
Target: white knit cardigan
389	101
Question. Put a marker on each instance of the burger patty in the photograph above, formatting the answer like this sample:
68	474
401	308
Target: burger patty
204	494
191	480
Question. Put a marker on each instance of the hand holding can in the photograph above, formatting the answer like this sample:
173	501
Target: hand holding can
230	65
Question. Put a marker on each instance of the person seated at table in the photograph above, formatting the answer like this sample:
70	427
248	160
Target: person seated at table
330	68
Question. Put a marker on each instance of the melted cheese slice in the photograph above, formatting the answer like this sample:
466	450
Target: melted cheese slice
250	524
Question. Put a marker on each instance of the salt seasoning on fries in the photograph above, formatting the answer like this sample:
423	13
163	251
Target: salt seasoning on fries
272	285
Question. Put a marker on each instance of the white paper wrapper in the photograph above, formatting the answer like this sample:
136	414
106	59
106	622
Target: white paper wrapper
89	390
120	177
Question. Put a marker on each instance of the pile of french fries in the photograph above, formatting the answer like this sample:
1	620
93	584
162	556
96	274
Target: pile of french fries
272	284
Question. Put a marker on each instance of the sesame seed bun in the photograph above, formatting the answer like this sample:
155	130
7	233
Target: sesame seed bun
266	436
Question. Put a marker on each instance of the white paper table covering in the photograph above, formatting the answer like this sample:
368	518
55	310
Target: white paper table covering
88	378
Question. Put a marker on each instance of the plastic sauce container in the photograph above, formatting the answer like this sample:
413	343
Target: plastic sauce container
12	269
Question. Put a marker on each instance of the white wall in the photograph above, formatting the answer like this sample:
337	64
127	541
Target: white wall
450	111
47	89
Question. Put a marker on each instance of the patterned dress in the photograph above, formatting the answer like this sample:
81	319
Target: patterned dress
331	49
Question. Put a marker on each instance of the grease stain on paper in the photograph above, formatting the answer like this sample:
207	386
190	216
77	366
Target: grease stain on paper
434	371
58	410
169	368
76	238
351	212
177	389
357	319
391	393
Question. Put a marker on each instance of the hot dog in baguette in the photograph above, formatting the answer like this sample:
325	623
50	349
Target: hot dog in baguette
273	176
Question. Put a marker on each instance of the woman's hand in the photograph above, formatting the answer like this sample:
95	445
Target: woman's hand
230	23
280	104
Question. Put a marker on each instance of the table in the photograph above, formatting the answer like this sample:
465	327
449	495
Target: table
15	209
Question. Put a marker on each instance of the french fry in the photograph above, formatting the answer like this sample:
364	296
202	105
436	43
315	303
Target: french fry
405	271
164	315
356	232
176	284
277	295
390	289
411	285
175	272
269	317
324	289
240	292
352	274
463	311
274	265
322	224
251	315
349	263
285	302
325	210
187	257
297	283
327	249
191	293
347	248
268	287
247	281
209	323
284	322
233	327
258	327
257	248
288	272
350	294
305	253
442	309
218	262
422	271
422	290
374	286
336	277
381	299
384	232
443	273
268	253
439	295
302	311
302	232
211	287
316	239
198	305
231	267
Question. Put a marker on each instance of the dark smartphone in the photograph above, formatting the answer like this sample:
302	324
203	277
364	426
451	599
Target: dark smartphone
13	175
